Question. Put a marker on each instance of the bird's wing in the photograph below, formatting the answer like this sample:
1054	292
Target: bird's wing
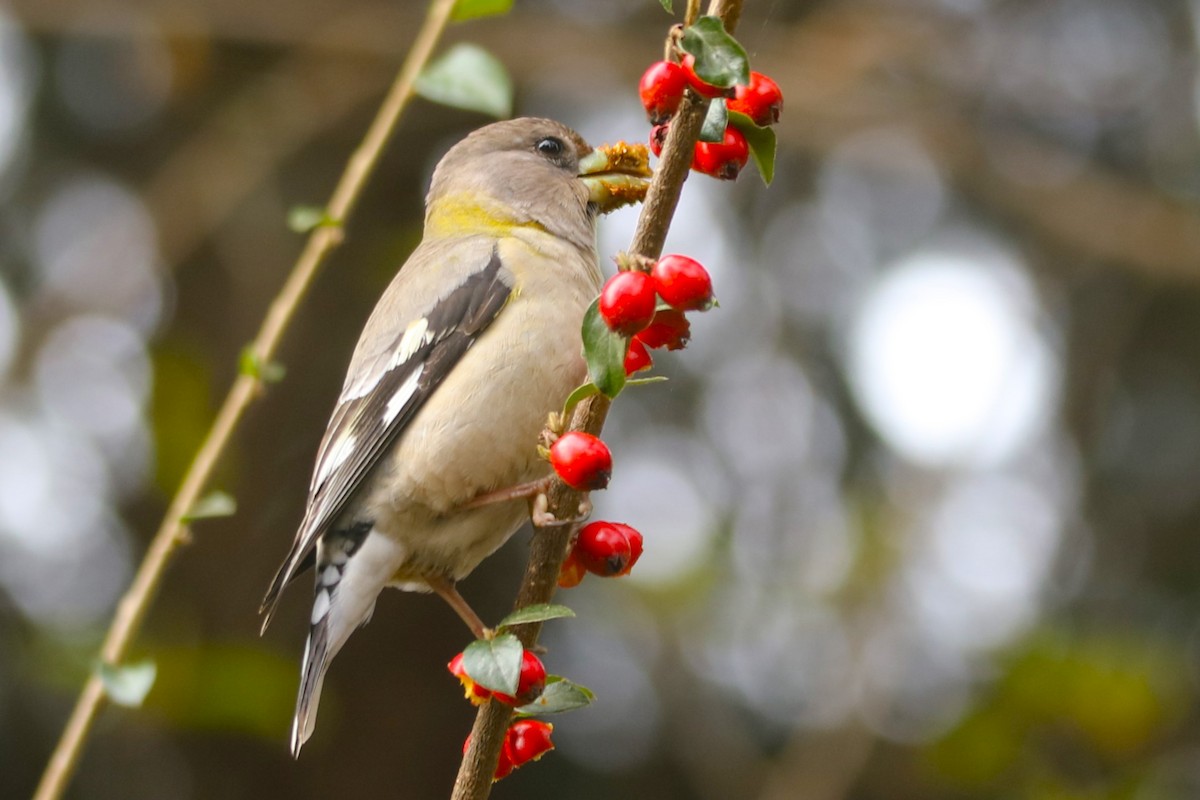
389	380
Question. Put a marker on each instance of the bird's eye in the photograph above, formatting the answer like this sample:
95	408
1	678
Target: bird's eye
549	147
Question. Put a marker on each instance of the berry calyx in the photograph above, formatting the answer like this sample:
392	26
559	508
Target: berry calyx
699	86
637	358
723	159
627	302
761	101
572	572
471	690
669	329
608	549
528	740
661	89
682	282
581	460
531	683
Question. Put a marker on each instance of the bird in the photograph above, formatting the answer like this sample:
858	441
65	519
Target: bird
472	345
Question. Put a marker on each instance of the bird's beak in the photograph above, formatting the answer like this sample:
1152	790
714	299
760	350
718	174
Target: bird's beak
616	175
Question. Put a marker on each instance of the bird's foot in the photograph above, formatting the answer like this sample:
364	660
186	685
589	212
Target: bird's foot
539	512
521	491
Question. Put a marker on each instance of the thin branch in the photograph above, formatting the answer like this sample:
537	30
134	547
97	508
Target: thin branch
172	533
549	546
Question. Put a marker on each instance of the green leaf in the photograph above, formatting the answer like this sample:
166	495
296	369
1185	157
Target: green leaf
667	6
580	394
539	612
303	219
559	695
213	504
604	351
645	381
474	9
720	59
762	144
468	77
495	663
127	685
713	129
250	364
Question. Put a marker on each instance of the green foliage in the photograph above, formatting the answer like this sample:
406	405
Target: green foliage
720	59
559	695
715	121
127	685
303	219
250	364
474	9
604	351
495	663
539	612
213	504
762	144
470	78
667	5
580	394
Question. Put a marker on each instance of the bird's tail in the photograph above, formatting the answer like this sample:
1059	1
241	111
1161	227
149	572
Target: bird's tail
350	575
312	676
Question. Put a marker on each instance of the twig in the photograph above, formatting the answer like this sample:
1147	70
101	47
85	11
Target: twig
172	533
549	546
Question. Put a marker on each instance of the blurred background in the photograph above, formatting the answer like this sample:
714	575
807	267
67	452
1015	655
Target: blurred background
920	501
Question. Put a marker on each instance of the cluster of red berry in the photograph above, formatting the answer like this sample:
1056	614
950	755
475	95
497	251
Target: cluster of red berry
661	89
529	685
526	740
629	305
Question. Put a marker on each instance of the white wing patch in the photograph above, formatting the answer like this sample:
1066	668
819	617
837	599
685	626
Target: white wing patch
416	336
337	456
402	396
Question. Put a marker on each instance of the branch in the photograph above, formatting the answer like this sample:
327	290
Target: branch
549	546
173	531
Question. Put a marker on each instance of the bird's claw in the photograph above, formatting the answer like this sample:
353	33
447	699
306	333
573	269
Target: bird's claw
543	518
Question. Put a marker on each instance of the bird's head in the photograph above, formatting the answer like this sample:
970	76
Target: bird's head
532	172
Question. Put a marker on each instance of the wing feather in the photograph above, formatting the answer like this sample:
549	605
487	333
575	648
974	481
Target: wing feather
374	409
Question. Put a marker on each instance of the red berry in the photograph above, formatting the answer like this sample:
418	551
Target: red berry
723	159
682	282
503	767
471	690
627	302
531	683
635	547
607	548
572	572
761	101
658	137
661	90
670	329
637	358
700	87
581	460
528	740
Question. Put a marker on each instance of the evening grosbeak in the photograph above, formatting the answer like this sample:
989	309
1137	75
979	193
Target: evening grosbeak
474	343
